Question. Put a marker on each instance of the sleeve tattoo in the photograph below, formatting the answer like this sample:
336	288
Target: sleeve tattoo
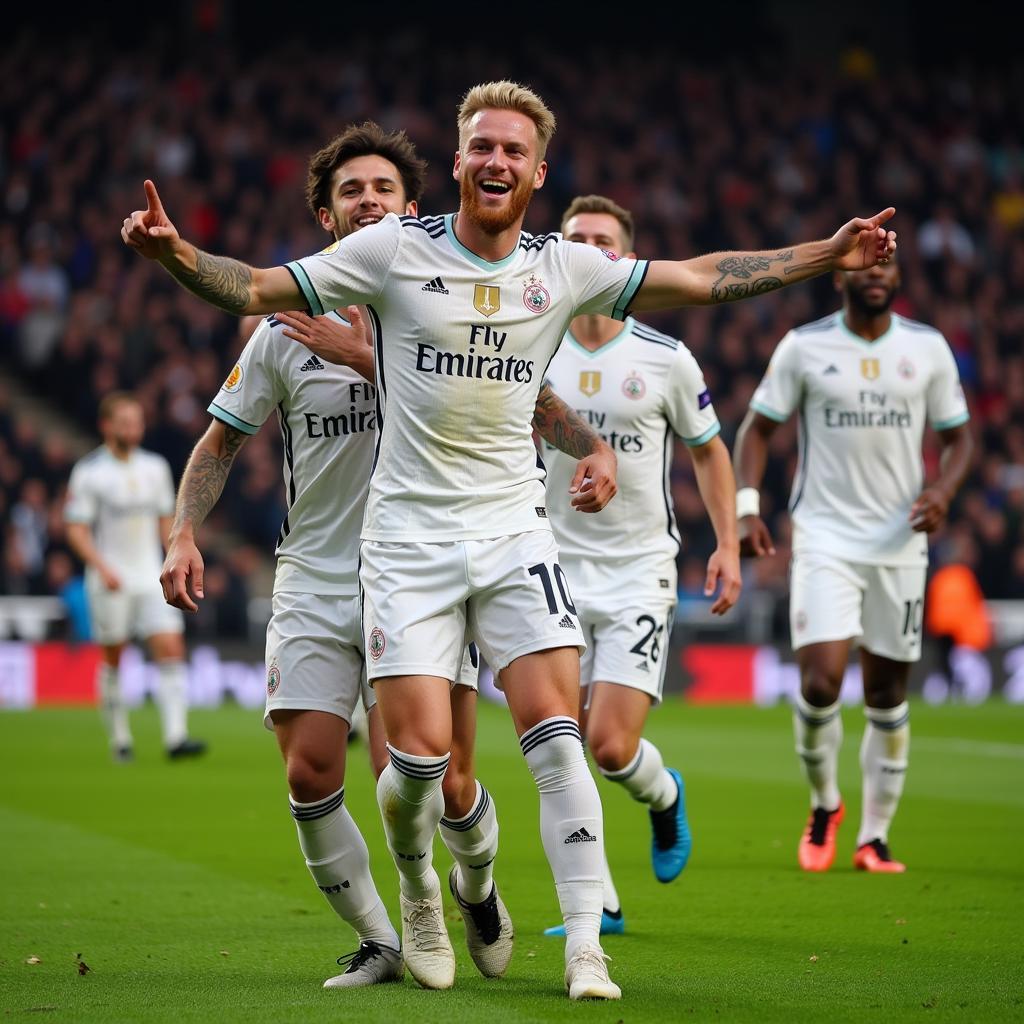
204	478
561	426
219	280
744	276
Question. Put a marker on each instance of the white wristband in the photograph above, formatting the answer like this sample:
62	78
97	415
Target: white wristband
748	502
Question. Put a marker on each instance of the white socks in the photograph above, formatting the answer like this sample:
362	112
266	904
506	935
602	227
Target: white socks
819	735
173	700
115	714
645	778
473	842
338	860
411	806
571	825
883	764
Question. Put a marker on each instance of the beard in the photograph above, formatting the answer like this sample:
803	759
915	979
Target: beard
870	307
494	221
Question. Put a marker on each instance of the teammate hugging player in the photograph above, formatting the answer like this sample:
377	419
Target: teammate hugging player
456	533
863	380
639	388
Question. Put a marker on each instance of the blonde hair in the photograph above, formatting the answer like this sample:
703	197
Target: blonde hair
602	204
506	95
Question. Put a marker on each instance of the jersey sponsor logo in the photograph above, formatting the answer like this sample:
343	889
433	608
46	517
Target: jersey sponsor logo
377	643
273	678
870	369
906	369
356	421
611	256
312	363
590	382
704	399
581	835
234	379
634	387
486	299
430	359
536	298
436	286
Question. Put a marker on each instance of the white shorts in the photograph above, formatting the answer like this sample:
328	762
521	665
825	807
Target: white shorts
118	616
420	601
882	606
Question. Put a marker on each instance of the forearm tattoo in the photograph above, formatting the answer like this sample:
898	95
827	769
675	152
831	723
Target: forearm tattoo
204	479
562	427
744	276
221	281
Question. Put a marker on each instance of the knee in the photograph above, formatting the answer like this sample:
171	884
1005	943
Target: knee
612	752
819	687
313	775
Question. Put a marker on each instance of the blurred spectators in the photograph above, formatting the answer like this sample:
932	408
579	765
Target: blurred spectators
738	154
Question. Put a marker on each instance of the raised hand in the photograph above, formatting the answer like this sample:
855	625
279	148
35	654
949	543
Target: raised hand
150	232
861	243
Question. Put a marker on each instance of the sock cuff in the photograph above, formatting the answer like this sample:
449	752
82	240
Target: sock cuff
318	808
559	725
888	718
624	773
416	767
814	715
476	813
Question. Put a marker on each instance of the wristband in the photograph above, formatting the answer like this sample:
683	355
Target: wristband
748	502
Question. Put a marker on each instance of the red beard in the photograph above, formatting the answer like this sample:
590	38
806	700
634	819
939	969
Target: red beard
494	221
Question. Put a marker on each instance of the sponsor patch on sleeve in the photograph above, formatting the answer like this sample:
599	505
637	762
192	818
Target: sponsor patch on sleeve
704	399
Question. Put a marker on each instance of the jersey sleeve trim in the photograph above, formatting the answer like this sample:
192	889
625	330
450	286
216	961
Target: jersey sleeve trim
636	279
231	420
696	442
953	421
316	307
78	517
770	413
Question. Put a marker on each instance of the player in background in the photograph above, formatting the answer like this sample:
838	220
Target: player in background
640	389
456	533
314	650
863	380
117	516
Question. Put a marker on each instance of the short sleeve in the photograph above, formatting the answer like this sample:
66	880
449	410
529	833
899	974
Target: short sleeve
780	389
947	406
81	505
688	406
602	282
350	271
254	386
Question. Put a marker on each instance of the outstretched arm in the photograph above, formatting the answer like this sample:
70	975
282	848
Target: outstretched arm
718	490
201	485
728	276
750	457
594	481
225	283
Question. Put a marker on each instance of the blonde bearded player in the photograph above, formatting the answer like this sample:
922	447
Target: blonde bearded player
640	389
456	533
314	648
864	381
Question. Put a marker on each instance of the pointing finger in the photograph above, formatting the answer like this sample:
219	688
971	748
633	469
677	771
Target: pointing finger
152	198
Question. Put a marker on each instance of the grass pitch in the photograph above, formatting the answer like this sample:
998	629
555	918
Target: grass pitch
182	888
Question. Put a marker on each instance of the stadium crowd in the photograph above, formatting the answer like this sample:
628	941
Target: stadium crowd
723	157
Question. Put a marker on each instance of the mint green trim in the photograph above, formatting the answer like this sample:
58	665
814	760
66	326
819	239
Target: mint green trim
621	336
955	421
231	420
770	413
316	307
629	292
449	230
864	341
696	442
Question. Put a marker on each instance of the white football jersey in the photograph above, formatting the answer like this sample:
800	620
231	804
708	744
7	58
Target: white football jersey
862	409
327	414
637	391
123	500
462	347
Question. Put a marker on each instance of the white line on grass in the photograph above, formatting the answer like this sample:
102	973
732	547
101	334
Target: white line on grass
976	748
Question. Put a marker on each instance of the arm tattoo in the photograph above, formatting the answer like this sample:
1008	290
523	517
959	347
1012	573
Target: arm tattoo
221	281
204	477
561	426
739	276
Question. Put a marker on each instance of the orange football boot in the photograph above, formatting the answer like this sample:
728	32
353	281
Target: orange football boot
875	856
818	845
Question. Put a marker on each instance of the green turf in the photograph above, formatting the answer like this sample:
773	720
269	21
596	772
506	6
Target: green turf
182	887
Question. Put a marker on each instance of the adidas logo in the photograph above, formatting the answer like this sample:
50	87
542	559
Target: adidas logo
437	285
831	368
566	622
312	363
581	836
642	665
